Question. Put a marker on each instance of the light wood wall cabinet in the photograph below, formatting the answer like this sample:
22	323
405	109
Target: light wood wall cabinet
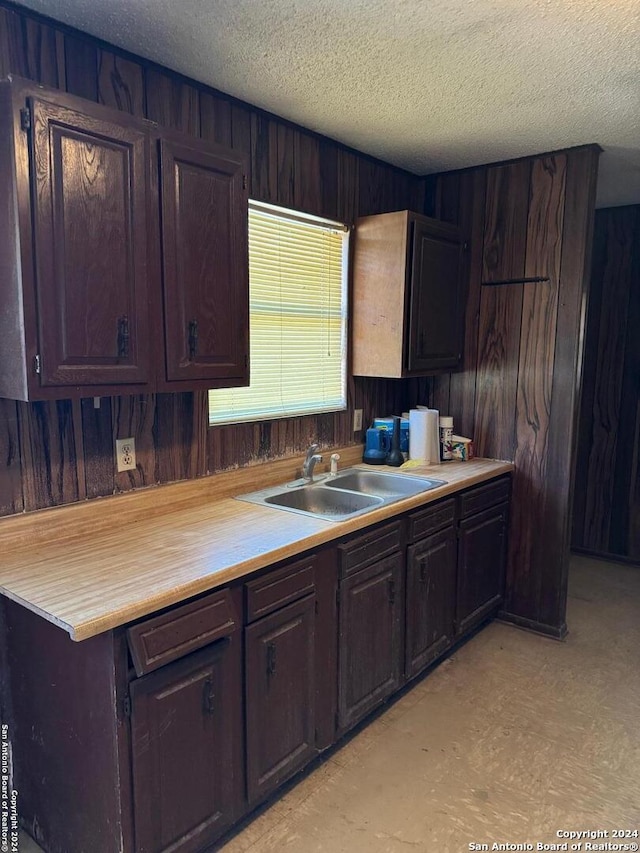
84	292
408	300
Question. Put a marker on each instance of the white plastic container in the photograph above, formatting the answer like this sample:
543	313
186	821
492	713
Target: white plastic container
445	425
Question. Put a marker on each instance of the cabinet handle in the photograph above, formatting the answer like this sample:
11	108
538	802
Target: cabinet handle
271	659
123	336
208	697
421	344
193	338
423	571
392	591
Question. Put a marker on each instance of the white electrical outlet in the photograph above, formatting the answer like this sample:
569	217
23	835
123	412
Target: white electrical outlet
357	420
126	453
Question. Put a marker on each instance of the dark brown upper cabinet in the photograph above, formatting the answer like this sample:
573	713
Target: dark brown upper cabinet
408	303
92	271
74	226
205	263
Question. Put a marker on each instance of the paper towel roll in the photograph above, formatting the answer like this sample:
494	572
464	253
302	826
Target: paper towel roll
423	435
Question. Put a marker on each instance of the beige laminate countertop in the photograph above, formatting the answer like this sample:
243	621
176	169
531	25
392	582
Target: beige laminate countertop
95	566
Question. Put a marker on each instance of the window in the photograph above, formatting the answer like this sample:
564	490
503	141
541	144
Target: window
298	319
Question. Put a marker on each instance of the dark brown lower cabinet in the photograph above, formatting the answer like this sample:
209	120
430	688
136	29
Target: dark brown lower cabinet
280	691
431	592
145	726
482	540
186	736
370	643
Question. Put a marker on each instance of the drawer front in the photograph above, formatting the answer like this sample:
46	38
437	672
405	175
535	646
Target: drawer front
431	519
482	497
280	587
367	549
172	635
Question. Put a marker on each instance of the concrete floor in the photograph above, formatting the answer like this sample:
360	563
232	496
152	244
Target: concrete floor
514	738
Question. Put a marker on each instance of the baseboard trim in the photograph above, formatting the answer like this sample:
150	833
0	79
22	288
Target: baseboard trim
553	631
606	556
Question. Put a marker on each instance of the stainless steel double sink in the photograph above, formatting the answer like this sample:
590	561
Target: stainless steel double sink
340	496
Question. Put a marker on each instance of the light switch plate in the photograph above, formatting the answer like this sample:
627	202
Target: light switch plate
357	420
126	453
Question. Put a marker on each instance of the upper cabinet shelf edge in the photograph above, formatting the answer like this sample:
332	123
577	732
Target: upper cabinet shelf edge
408	301
98	298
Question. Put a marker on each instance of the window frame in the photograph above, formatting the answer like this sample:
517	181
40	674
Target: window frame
315	408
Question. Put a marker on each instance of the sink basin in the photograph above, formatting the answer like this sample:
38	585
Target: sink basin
345	495
324	503
384	485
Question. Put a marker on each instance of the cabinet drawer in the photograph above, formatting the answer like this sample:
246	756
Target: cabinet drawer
280	587
367	549
431	519
165	638
482	497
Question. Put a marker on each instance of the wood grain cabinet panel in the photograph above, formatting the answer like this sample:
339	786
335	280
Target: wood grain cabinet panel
186	750
90	229
370	643
205	262
74	224
481	566
280	690
408	306
437	303
431	585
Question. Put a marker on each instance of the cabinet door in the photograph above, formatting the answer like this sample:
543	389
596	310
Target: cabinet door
437	306
187	750
481	566
370	645
90	179
205	263
280	690
431	584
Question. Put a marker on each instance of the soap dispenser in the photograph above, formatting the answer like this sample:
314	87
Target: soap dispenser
395	457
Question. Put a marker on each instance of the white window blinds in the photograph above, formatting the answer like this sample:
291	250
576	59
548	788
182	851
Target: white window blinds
298	319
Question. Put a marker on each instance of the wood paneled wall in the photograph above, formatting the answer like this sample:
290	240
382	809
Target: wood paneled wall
606	516
518	391
53	453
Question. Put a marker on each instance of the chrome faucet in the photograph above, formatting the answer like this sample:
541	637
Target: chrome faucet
309	463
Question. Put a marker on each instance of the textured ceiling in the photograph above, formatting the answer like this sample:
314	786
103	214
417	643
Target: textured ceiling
428	85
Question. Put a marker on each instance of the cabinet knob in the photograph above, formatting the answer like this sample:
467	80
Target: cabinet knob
271	659
193	338
123	336
208	697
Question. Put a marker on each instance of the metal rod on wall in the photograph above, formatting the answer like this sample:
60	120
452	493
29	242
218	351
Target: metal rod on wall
535	280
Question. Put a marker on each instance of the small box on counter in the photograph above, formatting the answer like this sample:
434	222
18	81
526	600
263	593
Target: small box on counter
387	423
462	448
